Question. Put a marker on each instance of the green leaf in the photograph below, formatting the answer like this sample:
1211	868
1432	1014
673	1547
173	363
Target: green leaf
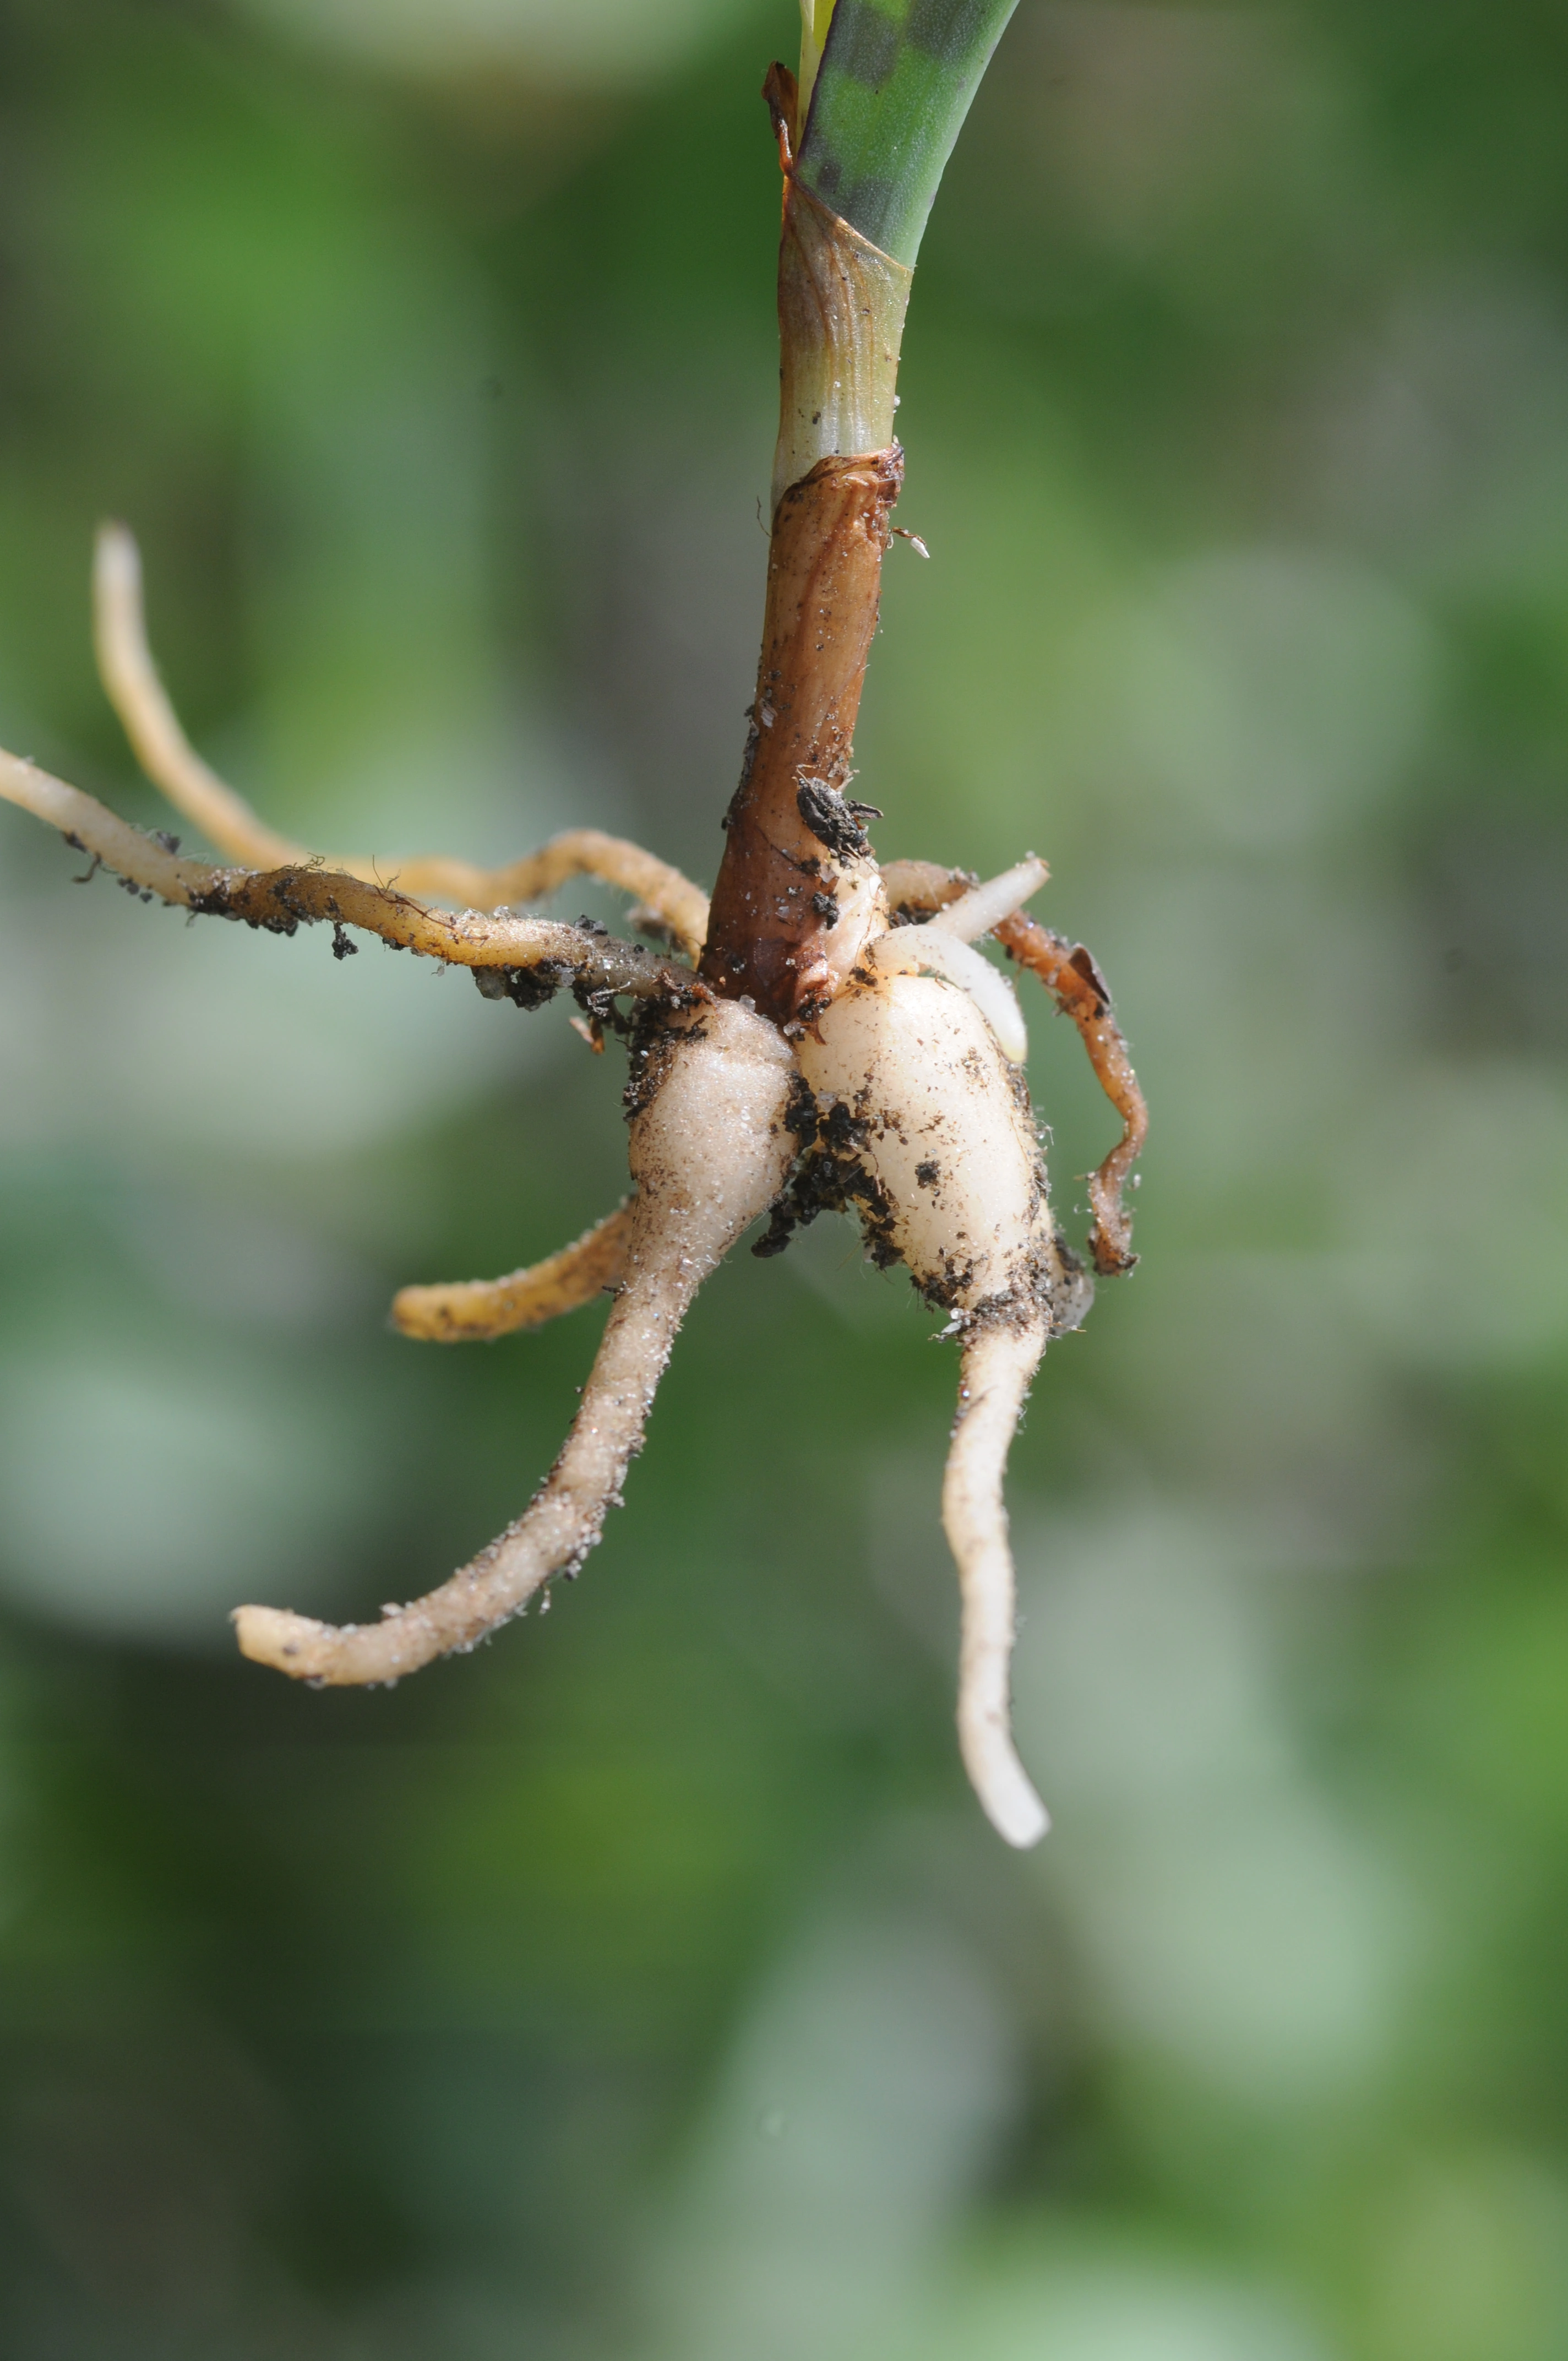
894	87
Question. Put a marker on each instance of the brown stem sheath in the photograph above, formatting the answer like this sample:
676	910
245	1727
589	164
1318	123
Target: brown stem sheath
793	899
775	927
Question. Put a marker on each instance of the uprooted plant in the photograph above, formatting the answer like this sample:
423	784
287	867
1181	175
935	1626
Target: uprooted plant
827	1036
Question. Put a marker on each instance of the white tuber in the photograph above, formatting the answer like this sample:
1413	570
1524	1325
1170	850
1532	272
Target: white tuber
914	1085
940	1131
943	946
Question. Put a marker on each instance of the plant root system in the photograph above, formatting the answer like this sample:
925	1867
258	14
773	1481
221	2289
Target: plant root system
829	1036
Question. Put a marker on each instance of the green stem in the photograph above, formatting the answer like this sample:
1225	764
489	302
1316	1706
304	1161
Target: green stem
797	887
894	86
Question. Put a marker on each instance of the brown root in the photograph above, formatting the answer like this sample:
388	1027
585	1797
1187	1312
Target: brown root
1071	976
475	1309
1075	983
137	695
534	956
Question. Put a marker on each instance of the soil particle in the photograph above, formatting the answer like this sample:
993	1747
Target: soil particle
834	821
843	1131
525	987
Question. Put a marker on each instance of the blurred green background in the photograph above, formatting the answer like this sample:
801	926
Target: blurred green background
648	1987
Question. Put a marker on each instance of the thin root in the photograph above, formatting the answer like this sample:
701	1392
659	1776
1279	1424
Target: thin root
1075	983
1071	976
473	1309
998	1360
535	954
553	1535
709	1153
138	696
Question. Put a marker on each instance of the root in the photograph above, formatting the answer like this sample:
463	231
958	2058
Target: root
932	950
677	907
554	1533
982	909
542	953
137	695
709	1153
478	1308
1075	983
130	680
1071	976
998	1360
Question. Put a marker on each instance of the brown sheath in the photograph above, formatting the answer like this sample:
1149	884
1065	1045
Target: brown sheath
765	939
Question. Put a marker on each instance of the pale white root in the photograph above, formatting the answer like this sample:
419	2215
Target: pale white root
147	717
130	678
984	906
998	1360
709	1153
471	1310
932	950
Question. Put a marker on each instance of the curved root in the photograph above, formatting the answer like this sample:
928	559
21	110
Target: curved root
709	1153
474	1309
131	683
998	1360
554	1533
130	679
1071	976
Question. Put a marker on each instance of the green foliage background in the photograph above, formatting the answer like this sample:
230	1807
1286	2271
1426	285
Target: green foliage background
649	1985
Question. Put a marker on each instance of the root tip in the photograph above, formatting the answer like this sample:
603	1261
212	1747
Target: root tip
411	1316
1019	1819
1004	1788
271	1635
